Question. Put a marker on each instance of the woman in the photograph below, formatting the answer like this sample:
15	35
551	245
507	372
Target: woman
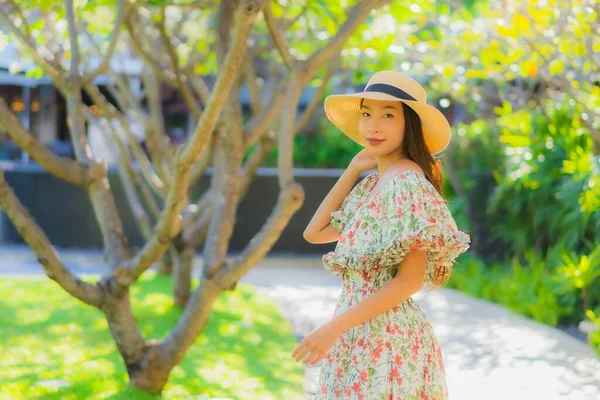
395	234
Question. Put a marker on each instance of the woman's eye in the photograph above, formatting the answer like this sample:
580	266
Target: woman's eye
389	115
365	114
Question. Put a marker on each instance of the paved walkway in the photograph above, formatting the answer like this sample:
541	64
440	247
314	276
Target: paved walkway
490	353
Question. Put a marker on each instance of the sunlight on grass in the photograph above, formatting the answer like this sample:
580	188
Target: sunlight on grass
52	346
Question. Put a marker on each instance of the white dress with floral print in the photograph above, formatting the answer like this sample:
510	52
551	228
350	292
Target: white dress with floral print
394	355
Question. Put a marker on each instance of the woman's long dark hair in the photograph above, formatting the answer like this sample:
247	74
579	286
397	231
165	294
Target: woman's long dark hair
414	147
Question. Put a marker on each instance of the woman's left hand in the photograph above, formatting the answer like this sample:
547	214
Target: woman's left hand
317	343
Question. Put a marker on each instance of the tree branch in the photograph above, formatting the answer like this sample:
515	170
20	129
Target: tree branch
64	168
170	221
356	17
103	67
41	56
134	34
259	124
316	100
145	165
197	311
253	89
186	94
278	37
45	252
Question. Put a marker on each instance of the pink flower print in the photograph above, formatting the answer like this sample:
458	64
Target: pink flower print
399	212
395	376
389	329
356	387
415	348
410	332
364	376
357	223
432	220
337	392
398	360
347	392
351	236
340	372
323	388
377	352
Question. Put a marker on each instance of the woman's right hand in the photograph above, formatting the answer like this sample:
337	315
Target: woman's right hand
363	161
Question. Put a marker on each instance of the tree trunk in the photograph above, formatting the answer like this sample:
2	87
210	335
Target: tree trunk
150	373
165	266
182	277
146	366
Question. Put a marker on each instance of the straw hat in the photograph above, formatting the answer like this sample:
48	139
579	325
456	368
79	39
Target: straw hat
344	109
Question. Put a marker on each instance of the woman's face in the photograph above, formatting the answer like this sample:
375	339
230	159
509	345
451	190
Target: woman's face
381	126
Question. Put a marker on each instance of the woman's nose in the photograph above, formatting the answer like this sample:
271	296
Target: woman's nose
373	127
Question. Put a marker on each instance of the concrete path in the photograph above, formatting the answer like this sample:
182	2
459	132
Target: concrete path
489	352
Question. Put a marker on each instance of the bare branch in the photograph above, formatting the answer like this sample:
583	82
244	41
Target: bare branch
187	95
278	37
289	201
145	165
170	222
64	168
156	137
73	40
259	124
356	17
253	88
41	55
45	252
196	313
158	67
127	174
205	159
316	100
103	67
199	86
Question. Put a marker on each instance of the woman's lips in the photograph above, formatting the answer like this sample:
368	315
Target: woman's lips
374	142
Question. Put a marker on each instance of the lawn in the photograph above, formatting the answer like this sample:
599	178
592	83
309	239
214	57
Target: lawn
52	346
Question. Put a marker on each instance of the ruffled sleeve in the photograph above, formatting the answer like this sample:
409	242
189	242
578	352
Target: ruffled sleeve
416	217
341	216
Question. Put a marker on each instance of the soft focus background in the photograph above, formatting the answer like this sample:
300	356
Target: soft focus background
518	80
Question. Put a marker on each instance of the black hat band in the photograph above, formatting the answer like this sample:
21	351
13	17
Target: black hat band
389	89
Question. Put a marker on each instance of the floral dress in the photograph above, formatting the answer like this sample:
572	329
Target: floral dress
394	355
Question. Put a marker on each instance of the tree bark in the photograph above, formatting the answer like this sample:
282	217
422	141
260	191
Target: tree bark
182	276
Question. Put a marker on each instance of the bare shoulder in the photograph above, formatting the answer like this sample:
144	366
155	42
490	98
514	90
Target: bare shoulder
409	165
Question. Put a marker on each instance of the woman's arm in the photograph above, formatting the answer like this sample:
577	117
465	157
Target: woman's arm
409	280
319	229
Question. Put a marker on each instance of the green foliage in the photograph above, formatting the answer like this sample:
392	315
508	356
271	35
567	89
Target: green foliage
547	197
328	148
54	347
548	289
594	337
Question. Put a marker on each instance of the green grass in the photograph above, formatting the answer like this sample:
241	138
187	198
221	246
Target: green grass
52	346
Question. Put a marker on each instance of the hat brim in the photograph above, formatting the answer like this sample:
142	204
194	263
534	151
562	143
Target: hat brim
343	110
